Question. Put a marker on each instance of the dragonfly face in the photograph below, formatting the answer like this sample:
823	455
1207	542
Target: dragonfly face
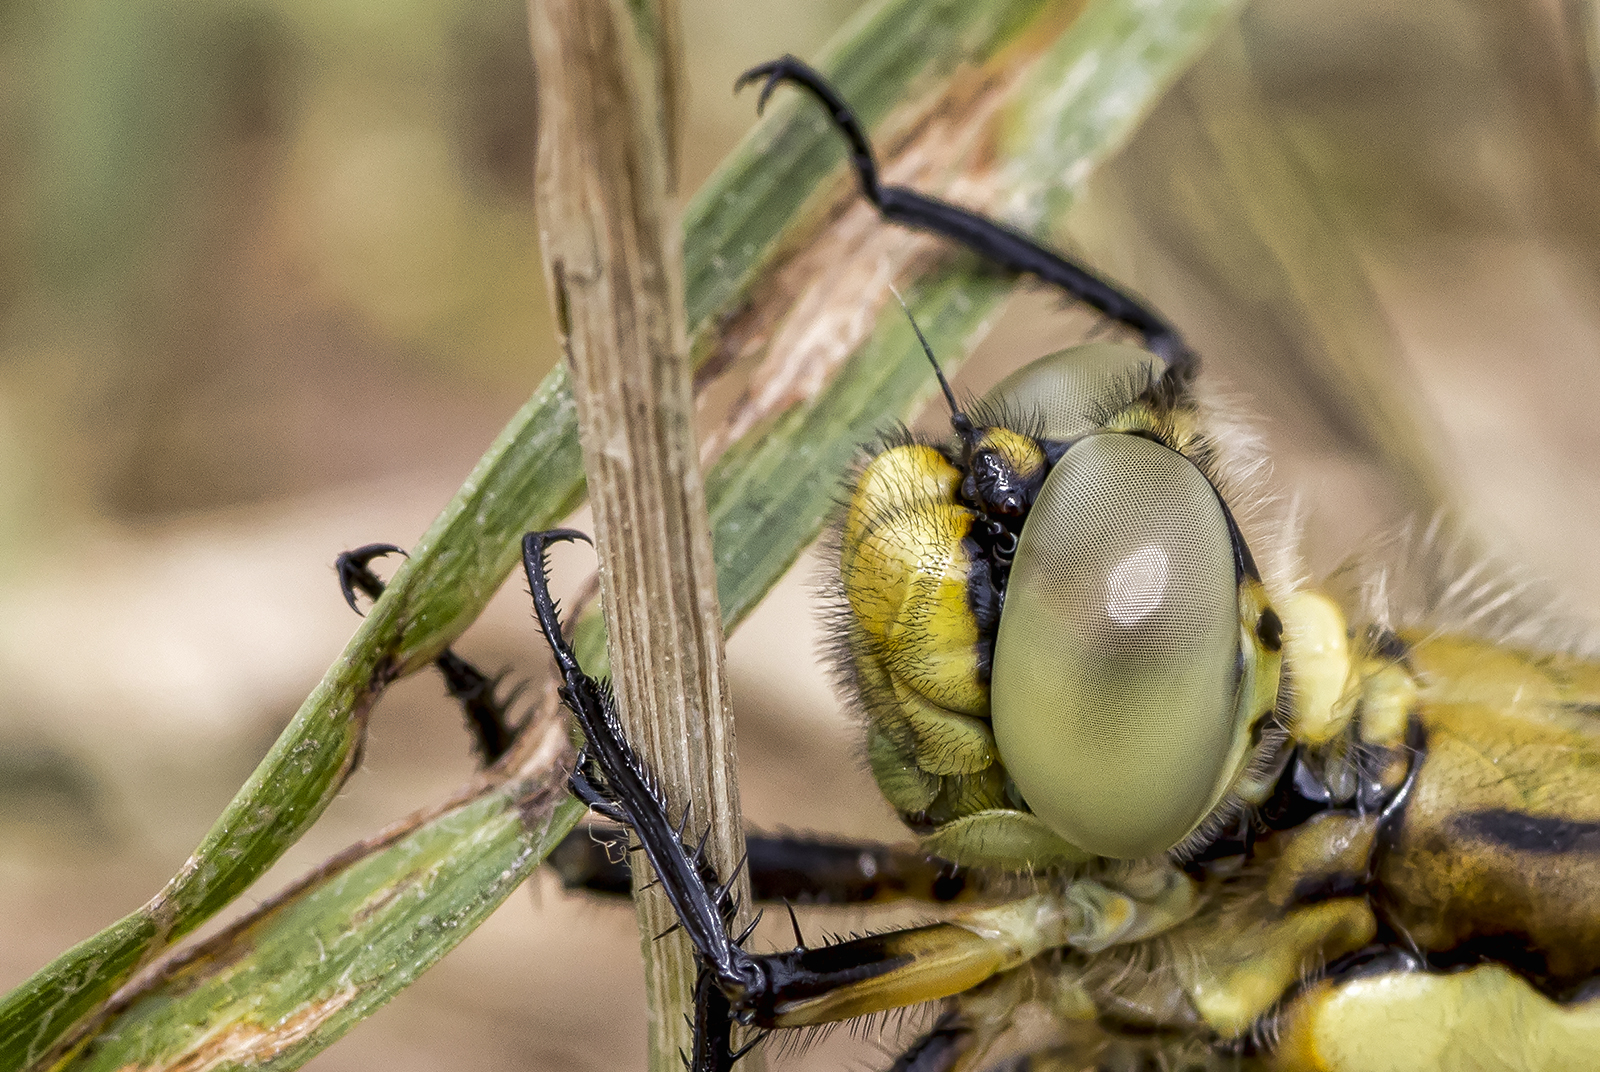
1057	632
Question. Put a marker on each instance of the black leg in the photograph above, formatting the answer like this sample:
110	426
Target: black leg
797	870
486	712
1002	246
611	772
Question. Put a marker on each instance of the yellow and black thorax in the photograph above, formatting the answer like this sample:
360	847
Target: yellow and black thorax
1057	633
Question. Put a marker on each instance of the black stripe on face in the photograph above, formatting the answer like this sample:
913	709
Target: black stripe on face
1541	835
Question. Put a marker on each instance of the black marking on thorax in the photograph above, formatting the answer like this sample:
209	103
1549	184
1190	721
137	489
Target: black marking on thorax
1538	835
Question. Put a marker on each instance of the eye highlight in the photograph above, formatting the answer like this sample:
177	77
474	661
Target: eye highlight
1136	586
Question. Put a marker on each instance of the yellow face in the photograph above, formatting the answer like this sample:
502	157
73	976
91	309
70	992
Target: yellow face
1054	627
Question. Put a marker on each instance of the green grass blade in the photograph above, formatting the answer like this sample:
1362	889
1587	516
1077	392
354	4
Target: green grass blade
456	567
310	976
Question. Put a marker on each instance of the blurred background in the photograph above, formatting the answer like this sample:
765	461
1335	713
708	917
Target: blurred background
268	287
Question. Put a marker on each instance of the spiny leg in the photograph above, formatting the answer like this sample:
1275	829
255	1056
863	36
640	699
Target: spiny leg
613	781
590	857
486	712
1000	245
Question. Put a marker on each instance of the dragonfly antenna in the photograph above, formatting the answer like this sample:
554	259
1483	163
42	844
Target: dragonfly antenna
958	420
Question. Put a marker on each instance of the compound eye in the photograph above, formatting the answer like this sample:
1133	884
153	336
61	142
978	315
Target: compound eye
1118	653
1070	392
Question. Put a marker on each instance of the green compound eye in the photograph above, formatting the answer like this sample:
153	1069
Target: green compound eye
1117	660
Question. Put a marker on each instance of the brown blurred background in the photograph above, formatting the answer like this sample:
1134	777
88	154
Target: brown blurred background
268	288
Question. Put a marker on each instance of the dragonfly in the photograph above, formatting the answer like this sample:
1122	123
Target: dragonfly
942	877
1255	828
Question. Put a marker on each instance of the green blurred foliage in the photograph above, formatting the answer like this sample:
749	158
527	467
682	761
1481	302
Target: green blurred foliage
258	249
231	229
